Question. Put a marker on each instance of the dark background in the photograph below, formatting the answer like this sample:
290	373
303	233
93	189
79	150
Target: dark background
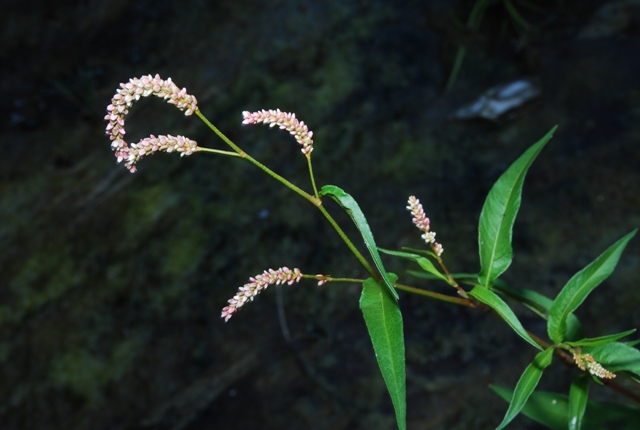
111	284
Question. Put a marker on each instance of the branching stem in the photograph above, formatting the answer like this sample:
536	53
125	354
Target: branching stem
315	200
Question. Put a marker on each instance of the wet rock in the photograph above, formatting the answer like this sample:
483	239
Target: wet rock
499	100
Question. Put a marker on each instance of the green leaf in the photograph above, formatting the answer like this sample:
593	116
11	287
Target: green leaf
469	276
422	275
499	213
635	378
527	383
617	357
552	411
602	340
424	263
351	207
538	304
533	300
470	280
491	299
384	322
579	287
578	395
542	407
423	252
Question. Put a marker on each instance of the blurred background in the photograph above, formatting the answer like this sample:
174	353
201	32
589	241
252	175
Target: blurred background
111	283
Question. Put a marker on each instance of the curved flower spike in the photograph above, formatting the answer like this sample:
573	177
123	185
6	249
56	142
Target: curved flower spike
119	108
260	282
285	121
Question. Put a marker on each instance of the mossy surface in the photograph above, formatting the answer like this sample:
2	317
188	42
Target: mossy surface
111	284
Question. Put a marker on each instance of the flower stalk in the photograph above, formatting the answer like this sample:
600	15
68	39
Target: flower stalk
315	200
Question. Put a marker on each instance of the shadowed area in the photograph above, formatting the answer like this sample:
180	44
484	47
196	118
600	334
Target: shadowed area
112	283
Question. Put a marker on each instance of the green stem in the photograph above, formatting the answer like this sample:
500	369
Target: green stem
437	296
314	200
349	244
475	17
457	65
515	15
217	151
452	282
332	279
427	293
313	180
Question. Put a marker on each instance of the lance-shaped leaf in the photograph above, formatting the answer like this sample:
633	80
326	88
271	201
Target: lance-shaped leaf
422	252
578	395
602	340
425	263
527	383
494	301
463	278
384	323
351	207
580	285
552	409
499	213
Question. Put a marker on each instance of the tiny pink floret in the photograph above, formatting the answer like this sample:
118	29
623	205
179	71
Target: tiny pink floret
322	279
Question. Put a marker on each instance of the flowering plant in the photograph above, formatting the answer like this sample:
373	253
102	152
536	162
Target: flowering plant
601	359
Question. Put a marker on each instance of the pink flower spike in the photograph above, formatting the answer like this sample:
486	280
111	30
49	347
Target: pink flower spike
148	146
121	102
256	284
422	222
284	121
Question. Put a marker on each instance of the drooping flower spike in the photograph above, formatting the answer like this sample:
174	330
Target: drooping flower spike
587	363
422	222
284	121
121	102
256	284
